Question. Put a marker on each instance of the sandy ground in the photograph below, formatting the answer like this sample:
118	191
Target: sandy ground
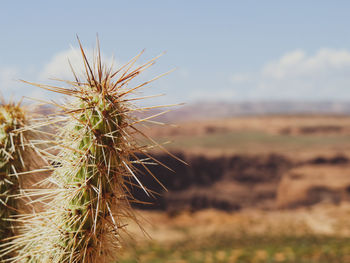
297	137
321	219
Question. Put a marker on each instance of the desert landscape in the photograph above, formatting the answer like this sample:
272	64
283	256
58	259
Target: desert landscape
175	131
257	188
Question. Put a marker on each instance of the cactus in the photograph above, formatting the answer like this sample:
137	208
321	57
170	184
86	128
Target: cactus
17	157
97	149
21	166
11	162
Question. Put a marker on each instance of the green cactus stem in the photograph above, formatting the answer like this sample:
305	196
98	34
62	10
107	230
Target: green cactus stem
97	149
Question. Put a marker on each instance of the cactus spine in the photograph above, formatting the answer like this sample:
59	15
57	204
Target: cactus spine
97	149
11	164
93	172
21	167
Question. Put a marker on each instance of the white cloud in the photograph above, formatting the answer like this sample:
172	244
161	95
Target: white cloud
8	76
297	75
58	66
12	87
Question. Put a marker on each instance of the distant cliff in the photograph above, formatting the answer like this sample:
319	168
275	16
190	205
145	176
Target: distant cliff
237	182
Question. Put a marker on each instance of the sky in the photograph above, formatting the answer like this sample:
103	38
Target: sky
222	50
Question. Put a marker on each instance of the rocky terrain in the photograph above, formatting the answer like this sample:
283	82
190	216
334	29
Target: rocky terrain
260	161
266	162
239	181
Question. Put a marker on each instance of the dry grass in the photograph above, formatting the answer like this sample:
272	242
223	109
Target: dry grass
319	234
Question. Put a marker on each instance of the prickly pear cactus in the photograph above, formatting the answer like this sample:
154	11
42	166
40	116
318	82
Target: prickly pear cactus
93	171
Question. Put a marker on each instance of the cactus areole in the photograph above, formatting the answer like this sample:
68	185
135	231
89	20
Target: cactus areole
95	174
11	119
97	146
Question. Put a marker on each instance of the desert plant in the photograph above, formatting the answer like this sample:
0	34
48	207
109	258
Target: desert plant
17	157
93	170
11	162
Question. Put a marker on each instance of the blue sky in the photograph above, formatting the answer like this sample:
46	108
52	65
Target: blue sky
223	50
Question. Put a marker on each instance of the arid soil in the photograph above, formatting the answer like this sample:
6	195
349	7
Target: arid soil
268	162
256	189
237	182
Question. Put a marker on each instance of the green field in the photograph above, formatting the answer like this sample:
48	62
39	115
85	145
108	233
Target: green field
259	141
291	249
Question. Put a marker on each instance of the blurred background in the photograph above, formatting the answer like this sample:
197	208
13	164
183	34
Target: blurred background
265	129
